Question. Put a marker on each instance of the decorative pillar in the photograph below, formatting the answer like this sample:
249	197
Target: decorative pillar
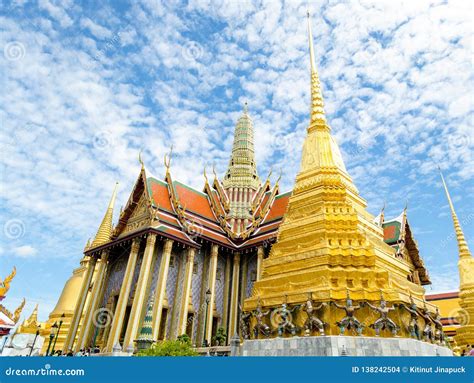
81	301
139	299
260	254
225	316
212	287
244	272
234	299
119	313
188	278
94	301
160	289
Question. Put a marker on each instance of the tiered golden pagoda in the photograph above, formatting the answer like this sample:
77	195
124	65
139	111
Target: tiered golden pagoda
71	293
328	244
465	333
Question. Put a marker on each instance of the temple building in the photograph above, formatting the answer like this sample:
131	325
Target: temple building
186	261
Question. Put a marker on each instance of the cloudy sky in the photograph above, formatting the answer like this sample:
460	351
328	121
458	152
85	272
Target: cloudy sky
85	87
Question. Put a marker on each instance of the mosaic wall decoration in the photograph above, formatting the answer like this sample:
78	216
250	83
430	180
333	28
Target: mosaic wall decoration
251	273
196	290
173	294
136	274
220	279
158	255
116	271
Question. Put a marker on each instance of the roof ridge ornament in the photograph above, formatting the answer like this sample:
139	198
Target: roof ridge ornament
167	159
140	159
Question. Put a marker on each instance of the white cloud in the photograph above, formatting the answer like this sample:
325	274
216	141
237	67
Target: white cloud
25	251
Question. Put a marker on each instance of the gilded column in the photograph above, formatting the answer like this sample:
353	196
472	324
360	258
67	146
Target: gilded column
160	289
234	299
212	288
244	272
139	299
119	313
260	254
94	301
225	316
188	277
81	301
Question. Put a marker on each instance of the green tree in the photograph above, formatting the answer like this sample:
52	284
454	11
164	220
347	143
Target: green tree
220	337
179	347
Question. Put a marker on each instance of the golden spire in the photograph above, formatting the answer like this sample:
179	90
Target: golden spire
105	228
318	117
462	244
33	319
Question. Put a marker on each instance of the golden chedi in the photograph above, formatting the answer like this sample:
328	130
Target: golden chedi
465	333
329	247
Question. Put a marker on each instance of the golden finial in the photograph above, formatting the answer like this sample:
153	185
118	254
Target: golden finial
270	173
214	170
5	285
462	244
140	159
168	159
317	114
246	108
279	177
205	175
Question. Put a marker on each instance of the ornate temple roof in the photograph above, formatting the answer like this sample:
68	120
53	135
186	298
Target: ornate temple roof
398	234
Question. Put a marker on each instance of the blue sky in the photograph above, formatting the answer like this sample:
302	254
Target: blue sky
86	86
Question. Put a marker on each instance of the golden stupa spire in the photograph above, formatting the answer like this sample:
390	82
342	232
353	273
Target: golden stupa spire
320	150
462	244
318	117
105	228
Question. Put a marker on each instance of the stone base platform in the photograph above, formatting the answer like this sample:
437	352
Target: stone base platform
339	346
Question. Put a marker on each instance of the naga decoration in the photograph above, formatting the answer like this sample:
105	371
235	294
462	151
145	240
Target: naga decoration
5	285
313	323
384	322
349	321
413	327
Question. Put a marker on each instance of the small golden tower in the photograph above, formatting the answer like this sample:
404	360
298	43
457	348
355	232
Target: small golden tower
465	333
105	229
